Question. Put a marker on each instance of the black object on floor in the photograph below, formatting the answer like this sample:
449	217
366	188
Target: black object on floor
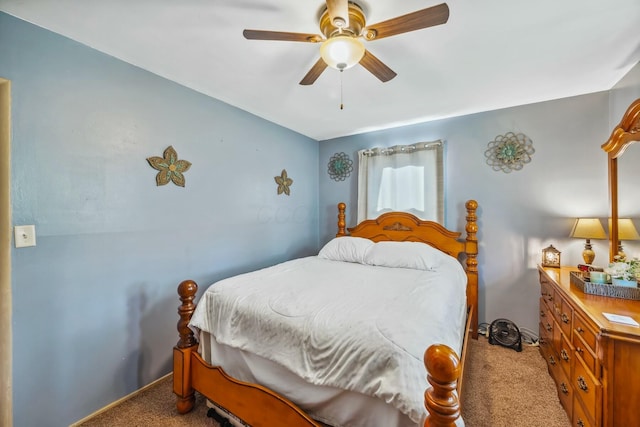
224	422
505	333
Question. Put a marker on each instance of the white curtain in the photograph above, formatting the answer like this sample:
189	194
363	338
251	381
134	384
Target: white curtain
406	178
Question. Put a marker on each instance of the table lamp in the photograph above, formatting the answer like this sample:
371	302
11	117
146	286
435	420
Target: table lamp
588	228
626	231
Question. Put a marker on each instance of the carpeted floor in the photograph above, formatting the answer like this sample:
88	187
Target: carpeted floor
503	388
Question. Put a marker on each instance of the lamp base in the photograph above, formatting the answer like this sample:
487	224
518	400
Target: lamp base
588	255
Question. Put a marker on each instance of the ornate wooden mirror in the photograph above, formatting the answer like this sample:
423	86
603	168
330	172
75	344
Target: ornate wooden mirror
624	134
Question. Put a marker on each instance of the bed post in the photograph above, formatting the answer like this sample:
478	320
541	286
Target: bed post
441	399
187	344
341	221
472	263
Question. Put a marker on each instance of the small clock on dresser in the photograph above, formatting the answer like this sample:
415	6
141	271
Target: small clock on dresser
550	257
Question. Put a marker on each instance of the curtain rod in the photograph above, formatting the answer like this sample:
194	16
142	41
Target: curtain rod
397	149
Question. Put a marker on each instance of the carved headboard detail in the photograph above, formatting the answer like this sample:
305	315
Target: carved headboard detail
397	226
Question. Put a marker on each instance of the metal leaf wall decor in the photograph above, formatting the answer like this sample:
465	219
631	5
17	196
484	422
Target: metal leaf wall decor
169	167
284	182
340	166
509	152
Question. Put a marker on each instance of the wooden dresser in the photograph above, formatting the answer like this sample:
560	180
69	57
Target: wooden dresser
594	363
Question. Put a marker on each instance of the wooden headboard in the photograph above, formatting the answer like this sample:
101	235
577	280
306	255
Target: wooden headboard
403	227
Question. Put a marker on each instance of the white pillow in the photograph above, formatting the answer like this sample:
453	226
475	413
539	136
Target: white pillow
416	255
347	249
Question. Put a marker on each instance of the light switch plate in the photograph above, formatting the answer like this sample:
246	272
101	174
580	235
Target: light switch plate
25	235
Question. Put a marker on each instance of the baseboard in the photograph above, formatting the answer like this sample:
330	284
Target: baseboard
119	401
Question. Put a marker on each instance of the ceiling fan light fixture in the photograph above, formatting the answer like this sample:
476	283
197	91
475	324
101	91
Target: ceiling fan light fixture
342	51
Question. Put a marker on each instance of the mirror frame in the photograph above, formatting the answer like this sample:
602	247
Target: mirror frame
624	134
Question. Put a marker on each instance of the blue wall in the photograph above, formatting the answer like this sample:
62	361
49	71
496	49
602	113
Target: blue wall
94	303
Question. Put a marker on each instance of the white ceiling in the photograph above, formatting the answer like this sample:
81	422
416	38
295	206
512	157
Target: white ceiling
491	54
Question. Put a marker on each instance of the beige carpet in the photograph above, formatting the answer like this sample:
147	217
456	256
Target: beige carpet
503	388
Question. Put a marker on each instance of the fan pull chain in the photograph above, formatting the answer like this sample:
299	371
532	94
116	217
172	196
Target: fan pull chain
341	104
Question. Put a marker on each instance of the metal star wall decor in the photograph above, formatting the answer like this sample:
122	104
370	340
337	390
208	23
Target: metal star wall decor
340	166
171	169
284	182
509	152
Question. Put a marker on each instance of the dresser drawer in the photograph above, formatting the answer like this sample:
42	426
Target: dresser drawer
565	391
586	354
546	325
585	332
587	389
553	365
546	289
543	309
545	346
565	355
565	316
580	419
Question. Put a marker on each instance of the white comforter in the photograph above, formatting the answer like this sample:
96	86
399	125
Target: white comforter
347	325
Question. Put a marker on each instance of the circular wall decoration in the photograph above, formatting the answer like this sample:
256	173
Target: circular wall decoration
340	166
509	152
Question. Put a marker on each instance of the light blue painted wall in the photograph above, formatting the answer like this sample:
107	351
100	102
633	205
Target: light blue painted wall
94	303
520	213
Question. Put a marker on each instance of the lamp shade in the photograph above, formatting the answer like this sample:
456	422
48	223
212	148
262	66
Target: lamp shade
626	229
588	228
342	51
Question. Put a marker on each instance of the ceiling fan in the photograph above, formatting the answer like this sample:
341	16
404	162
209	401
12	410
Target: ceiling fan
343	25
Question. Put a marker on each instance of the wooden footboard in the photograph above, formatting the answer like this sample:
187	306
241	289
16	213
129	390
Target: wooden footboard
258	406
254	404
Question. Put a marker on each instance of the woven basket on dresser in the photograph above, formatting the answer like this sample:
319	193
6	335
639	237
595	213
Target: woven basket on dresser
605	290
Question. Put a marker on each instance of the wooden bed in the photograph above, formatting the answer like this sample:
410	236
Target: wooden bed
258	406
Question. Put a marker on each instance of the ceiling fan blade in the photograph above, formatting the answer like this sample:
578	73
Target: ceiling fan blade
281	35
338	9
314	73
418	20
377	67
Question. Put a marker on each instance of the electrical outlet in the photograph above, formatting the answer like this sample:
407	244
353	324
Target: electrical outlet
25	235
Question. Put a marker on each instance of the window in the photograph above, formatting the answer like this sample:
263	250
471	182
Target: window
406	178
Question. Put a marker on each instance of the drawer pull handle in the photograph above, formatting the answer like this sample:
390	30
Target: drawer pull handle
580	423
565	318
542	341
582	385
579	329
552	360
542	313
579	350
564	389
564	355
548	327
